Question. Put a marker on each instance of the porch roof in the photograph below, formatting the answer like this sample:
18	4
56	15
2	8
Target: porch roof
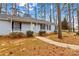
23	19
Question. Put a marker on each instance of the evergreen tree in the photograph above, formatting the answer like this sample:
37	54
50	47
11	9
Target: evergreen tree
64	24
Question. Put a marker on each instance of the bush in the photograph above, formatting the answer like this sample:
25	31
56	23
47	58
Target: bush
77	33
17	35
42	33
29	33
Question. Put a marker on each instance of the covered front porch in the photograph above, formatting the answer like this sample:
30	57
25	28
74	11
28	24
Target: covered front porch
25	26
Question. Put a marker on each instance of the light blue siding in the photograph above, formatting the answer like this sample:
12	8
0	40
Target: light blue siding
5	27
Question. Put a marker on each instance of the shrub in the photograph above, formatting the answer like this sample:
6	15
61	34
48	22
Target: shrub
42	33
17	35
77	33
29	33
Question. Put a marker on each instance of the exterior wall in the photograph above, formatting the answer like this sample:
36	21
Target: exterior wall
5	27
37	28
52	29
26	27
34	28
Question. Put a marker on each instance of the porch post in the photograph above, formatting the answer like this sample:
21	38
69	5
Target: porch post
31	27
11	25
36	26
46	27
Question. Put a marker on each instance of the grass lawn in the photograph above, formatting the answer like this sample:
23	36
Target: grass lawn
69	38
31	47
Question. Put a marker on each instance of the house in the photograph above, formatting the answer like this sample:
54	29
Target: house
9	23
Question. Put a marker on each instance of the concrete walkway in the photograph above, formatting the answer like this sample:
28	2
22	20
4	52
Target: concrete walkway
75	47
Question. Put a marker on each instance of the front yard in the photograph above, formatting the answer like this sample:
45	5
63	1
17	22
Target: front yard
70	38
31	47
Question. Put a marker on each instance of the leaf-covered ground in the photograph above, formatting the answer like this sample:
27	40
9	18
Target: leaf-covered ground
31	47
70	38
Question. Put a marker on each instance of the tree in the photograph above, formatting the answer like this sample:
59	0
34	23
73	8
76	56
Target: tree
6	8
65	12
64	24
0	7
59	21
14	12
50	13
73	16
28	8
42	10
69	13
55	20
35	9
78	16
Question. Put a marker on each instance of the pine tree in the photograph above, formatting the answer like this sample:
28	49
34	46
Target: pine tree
64	24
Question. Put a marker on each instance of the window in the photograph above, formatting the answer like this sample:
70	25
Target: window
42	26
49	27
16	25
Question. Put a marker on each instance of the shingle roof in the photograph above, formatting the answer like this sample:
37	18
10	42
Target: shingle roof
22	19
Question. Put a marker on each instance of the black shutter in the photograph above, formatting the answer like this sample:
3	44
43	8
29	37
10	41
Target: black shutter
20	26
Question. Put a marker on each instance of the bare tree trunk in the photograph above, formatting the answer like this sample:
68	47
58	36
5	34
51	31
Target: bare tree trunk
14	9
0	7
55	22
6	8
59	22
45	11
35	13
70	29
78	17
28	8
73	16
26	11
50	14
